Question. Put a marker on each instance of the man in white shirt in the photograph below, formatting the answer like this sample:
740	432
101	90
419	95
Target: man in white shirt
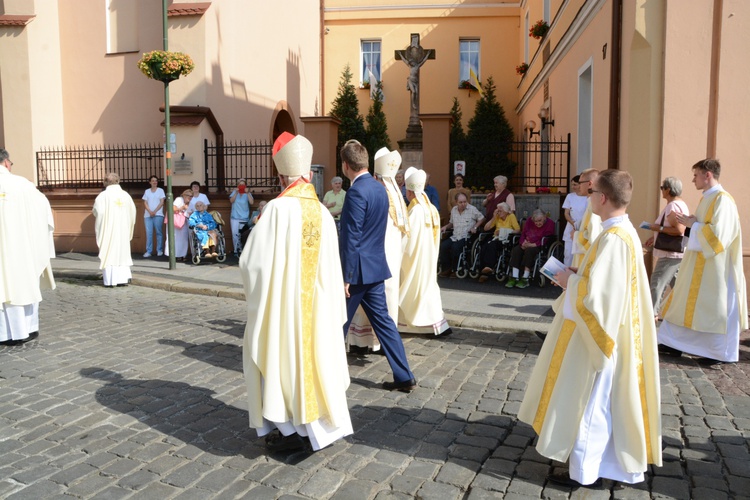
465	220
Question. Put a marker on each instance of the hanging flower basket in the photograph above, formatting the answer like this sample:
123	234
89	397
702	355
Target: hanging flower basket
539	29
522	68
165	66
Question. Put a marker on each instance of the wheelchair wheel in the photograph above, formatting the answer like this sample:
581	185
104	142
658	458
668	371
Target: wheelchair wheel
221	258
196	259
462	272
474	257
501	277
557	249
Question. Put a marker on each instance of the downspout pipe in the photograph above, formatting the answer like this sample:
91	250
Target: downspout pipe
613	160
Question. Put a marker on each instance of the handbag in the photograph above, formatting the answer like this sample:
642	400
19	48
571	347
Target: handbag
179	220
668	242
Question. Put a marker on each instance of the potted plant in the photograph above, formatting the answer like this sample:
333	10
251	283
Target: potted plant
365	84
165	66
522	68
539	29
466	84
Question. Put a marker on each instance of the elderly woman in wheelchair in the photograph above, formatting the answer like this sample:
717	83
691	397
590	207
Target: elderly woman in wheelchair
525	254
502	225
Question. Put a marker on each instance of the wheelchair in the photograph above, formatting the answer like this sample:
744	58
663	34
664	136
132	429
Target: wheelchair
195	247
551	246
467	259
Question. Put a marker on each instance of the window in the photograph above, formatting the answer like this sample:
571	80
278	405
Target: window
122	26
546	11
370	60
526	28
468	59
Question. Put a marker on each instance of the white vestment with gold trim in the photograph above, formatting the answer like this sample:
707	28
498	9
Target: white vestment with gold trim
594	394
115	219
707	308
26	247
420	304
294	356
585	234
360	332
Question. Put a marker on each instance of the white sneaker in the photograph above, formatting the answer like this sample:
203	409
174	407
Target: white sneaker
146	255
160	254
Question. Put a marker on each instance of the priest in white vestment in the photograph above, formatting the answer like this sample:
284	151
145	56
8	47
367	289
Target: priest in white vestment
294	357
360	332
114	211
707	308
420	304
594	396
26	247
589	227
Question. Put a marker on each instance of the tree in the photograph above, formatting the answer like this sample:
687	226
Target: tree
377	127
346	108
488	140
457	137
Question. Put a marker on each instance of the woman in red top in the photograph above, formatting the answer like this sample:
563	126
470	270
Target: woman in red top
529	247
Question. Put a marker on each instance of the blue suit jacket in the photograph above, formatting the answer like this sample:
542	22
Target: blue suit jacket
362	239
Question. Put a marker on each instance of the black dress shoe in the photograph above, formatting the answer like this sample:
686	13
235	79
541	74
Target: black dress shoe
405	386
563	479
31	336
541	335
447	332
709	362
276	441
669	351
10	343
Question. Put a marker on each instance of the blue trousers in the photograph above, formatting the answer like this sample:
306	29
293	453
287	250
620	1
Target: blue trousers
156	223
372	299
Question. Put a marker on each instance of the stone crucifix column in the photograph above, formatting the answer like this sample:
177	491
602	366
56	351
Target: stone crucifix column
414	56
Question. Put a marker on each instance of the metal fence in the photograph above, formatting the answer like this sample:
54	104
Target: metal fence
542	163
231	161
75	167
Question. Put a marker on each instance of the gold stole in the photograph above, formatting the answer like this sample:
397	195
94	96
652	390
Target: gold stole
311	232
605	343
700	263
431	220
583	241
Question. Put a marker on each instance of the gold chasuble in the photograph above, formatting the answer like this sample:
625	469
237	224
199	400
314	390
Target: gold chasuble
702	282
293	355
603	323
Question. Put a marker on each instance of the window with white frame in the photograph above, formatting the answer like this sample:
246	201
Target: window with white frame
370	60
122	26
468	59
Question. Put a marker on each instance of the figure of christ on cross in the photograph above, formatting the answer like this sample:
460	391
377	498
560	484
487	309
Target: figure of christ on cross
414	56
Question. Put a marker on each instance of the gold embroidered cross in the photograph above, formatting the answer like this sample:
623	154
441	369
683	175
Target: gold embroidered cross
311	234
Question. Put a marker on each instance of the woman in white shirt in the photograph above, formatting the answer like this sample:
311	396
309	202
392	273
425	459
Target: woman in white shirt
153	217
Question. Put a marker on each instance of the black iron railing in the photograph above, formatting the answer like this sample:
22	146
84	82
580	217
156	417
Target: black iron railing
540	164
247	160
75	167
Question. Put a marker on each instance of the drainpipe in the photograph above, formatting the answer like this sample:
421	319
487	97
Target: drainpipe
613	160
322	58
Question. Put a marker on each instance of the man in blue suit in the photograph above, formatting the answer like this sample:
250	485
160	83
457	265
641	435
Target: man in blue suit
362	248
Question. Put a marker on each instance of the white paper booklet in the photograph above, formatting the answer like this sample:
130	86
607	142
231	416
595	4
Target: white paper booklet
551	268
645	225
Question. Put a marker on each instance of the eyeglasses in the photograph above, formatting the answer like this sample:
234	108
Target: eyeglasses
663	187
592	191
9	162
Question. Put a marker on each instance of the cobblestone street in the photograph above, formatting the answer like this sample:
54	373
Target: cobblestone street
135	392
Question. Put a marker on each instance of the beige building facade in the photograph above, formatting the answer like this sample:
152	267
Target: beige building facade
648	86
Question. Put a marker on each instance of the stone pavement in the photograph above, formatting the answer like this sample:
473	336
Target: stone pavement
136	392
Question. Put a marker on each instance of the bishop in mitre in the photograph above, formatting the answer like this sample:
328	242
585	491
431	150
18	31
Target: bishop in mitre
360	332
293	354
420	304
114	211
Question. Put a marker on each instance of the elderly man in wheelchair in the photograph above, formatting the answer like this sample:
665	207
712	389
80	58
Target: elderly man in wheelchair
465	221
525	254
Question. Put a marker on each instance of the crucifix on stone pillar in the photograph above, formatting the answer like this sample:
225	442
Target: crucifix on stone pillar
414	56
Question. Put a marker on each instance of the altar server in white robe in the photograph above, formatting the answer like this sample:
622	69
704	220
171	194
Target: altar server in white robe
387	164
594	394
26	247
420	305
590	225
707	308
294	356
114	211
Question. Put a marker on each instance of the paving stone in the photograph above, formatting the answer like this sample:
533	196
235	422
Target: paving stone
72	474
355	488
459	473
667	487
438	491
322	484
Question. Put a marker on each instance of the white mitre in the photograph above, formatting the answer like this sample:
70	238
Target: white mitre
387	162
292	155
415	179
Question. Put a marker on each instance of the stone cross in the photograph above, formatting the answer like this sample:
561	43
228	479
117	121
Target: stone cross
414	56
